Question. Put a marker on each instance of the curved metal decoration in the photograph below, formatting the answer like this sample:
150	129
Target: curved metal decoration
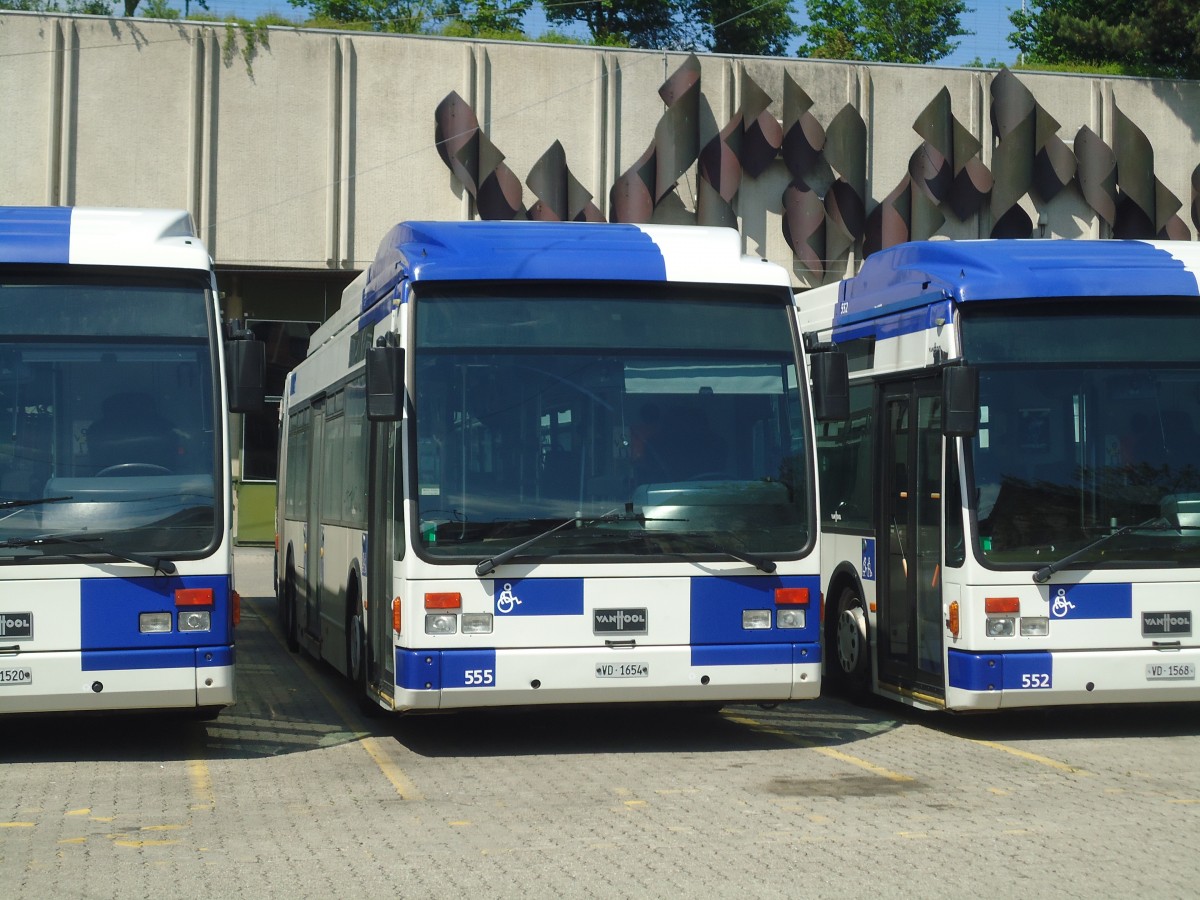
475	161
1145	208
561	198
1028	156
641	187
1097	174
949	172
748	143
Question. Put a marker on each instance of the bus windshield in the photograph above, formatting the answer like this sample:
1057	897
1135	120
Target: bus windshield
664	419
109	437
1087	428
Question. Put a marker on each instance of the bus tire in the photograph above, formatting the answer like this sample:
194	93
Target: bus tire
851	657
291	636
358	660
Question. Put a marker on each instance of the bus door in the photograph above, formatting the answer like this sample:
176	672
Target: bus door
314	573
909	596
381	509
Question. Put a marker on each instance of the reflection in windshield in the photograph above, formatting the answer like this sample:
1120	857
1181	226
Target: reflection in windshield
1067	456
106	395
686	412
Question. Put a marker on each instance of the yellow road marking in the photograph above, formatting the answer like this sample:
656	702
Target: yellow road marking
1033	757
862	764
392	772
17	824
827	751
78	812
201	781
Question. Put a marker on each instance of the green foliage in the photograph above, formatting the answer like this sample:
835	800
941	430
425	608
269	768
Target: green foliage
486	18
747	27
898	31
160	9
1158	38
88	7
650	24
391	16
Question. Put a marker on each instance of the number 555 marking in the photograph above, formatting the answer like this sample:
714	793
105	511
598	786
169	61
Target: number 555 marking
479	677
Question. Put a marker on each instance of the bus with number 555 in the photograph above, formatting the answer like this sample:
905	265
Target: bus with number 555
538	463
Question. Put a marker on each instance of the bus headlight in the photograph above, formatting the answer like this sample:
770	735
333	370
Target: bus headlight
1001	626
1035	626
195	620
789	618
477	623
154	623
441	623
756	619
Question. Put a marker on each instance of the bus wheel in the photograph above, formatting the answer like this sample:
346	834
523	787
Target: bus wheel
852	652
290	636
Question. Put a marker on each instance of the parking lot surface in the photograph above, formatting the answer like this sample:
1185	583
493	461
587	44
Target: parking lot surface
292	792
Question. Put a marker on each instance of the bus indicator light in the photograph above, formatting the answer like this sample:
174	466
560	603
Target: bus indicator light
154	622
952	618
756	619
443	601
236	599
396	615
994	606
194	597
791	596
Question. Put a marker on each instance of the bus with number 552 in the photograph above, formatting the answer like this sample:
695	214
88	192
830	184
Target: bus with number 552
1011	508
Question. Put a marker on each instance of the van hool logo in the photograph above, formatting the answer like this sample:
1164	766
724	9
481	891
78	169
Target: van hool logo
1167	623
16	625
625	621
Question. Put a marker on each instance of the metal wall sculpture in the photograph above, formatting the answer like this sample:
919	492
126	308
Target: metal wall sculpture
825	217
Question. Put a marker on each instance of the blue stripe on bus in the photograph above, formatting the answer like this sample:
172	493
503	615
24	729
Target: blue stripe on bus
109	609
917	273
999	671
419	670
755	654
717	605
153	658
35	234
1091	601
468	668
537	597
897	324
512	251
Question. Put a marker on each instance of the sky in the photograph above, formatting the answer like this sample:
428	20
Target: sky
988	20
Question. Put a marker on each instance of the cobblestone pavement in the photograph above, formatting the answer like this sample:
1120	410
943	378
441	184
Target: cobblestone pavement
292	793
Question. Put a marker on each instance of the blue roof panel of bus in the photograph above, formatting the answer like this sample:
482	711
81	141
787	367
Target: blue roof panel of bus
914	274
504	251
35	234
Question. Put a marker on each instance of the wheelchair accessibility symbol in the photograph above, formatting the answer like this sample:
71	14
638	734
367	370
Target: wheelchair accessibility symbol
1061	605
507	600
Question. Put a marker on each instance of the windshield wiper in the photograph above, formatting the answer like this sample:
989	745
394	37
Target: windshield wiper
489	565
158	564
708	544
13	504
1158	523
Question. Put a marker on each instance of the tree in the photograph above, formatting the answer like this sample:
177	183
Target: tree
486	18
1147	37
88	7
899	31
393	16
648	24
747	27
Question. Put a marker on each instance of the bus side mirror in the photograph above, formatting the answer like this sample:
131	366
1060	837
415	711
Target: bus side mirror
960	401
385	384
831	386
246	367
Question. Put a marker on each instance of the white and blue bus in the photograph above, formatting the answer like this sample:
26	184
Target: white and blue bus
535	463
1011	509
115	580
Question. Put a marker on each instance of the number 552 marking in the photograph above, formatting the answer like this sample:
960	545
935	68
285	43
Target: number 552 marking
1035	680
